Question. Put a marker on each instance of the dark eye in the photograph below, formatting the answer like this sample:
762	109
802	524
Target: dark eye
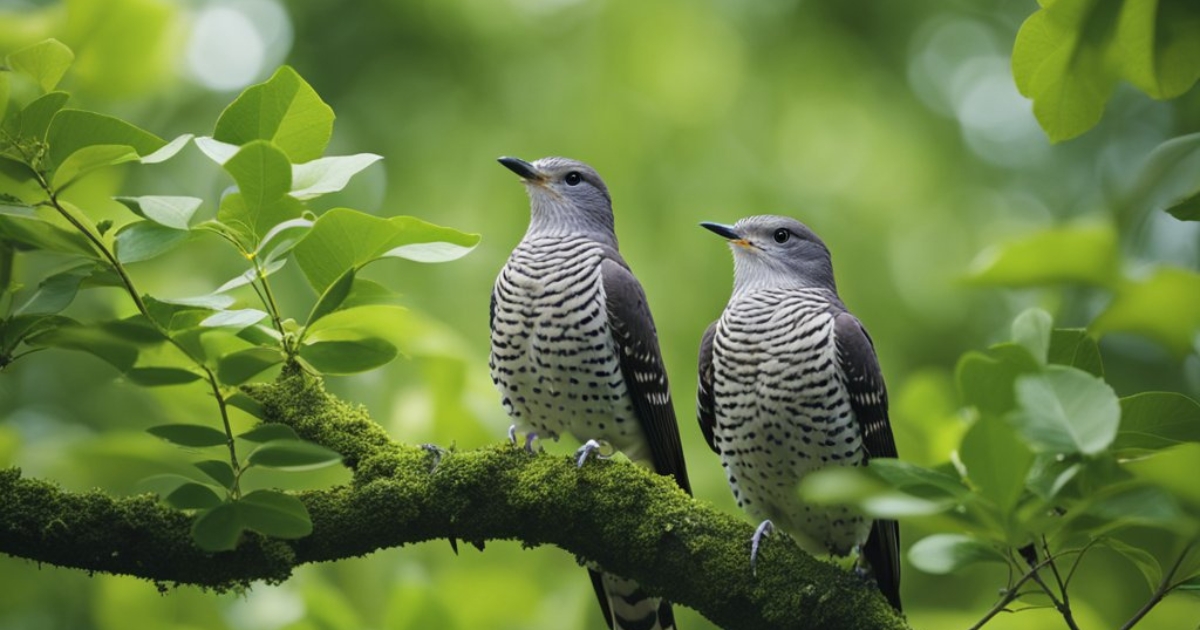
782	235
573	178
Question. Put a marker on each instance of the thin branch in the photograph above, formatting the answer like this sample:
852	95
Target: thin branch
1164	587
1014	592
629	520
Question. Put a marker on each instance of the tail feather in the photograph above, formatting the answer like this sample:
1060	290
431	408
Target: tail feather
627	607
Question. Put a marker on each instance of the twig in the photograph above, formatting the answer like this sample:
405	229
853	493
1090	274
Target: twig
1164	587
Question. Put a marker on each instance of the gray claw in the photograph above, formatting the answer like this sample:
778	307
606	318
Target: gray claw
765	529
437	452
589	447
512	434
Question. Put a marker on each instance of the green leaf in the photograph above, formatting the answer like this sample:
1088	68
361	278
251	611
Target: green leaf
342	239
1164	307
172	212
72	130
249	224
986	382
167	151
218	470
288	454
329	174
247	404
1083	253
1157	420
369	293
240	318
997	461
33	232
1169	178
1065	410
333	297
273	513
145	240
248	276
56	292
99	341
1136	503
194	496
1050	474
161	376
1176	469
917	480
281	238
34	119
189	435
1143	560
46	62
238	367
348	356
285	110
1058	62
1031	329
218	529
270	431
217	151
1074	347
942	554
846	485
1158	46
262	173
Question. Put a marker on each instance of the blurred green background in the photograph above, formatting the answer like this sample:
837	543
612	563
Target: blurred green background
891	128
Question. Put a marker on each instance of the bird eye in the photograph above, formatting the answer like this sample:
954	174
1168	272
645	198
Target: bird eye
782	235
573	178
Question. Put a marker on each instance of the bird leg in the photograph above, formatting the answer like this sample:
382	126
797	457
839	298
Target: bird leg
512	434
589	447
765	529
437	452
529	438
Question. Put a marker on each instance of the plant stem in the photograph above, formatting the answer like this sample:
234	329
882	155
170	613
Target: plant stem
1065	606
1014	591
140	304
1164	587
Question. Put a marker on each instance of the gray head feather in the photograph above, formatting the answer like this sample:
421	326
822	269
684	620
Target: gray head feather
565	196
777	252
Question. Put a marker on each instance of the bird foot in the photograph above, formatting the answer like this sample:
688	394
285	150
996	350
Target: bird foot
765	528
512	434
436	452
589	447
529	438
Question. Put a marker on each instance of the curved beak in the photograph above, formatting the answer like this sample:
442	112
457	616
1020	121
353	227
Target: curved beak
728	232
523	169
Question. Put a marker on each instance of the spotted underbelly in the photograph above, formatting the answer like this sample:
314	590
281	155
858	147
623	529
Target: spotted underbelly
782	411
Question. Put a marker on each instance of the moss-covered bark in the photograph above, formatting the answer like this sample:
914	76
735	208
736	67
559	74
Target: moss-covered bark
628	520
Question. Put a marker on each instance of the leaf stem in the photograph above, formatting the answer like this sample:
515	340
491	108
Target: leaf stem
140	304
1014	591
1164	586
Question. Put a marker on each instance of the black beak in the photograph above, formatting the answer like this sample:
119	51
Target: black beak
722	230
522	168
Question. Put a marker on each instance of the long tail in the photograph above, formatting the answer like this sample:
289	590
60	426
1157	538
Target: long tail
627	607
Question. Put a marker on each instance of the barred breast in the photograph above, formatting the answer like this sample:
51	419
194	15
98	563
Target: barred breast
782	410
553	357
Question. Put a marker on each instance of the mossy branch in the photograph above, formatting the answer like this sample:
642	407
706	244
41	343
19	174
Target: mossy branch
628	520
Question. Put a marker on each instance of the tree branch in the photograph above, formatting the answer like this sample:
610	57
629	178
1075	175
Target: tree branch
630	521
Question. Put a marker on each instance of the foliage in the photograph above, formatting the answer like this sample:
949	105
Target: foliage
270	141
1054	466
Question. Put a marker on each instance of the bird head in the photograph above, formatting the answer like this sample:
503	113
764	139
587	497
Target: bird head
776	252
564	194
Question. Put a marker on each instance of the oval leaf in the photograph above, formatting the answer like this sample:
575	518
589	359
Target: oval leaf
145	240
218	470
161	376
193	496
172	212
1156	420
218	529
328	174
349	356
238	367
234	319
1065	410
284	109
275	514
270	431
941	554
46	62
190	435
292	455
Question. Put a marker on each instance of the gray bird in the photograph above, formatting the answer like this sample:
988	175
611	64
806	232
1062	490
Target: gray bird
789	383
574	349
